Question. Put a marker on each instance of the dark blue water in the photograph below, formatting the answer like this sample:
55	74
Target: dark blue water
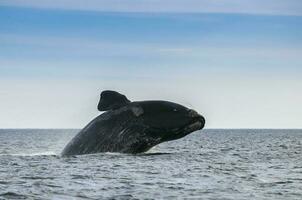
210	164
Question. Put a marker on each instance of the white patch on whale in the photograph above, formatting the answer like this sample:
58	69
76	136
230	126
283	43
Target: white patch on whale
137	111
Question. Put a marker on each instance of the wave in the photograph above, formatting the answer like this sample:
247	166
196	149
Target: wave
45	153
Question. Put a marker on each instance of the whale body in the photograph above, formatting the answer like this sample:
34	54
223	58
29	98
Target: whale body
133	127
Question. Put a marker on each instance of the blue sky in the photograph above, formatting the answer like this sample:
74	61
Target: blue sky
238	63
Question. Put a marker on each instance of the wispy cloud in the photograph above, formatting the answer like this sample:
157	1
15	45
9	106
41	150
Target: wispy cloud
270	7
225	66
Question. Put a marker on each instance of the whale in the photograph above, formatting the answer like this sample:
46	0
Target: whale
133	126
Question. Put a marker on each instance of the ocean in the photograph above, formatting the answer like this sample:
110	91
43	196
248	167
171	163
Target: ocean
207	164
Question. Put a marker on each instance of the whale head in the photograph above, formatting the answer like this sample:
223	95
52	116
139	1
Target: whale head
169	121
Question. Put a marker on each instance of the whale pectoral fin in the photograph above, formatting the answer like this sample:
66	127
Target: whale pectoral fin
111	100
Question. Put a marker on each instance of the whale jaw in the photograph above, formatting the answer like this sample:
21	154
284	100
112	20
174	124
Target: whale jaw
193	127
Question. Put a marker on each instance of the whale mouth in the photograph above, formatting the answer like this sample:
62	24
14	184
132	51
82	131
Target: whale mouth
194	126
196	123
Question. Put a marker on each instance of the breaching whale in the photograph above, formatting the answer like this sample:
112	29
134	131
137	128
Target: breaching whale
133	127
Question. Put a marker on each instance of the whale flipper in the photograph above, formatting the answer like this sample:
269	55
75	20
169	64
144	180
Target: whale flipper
111	100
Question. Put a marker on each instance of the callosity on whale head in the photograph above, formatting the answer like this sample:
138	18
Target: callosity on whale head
133	127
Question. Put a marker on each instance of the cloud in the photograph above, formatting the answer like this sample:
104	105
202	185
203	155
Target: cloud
270	7
176	50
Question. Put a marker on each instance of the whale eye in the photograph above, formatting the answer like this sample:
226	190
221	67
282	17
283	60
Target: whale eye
174	109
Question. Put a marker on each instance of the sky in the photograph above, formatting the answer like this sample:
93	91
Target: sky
237	62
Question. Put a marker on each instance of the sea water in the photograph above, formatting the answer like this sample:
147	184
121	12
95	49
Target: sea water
207	164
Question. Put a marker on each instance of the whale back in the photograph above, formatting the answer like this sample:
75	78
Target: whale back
111	100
